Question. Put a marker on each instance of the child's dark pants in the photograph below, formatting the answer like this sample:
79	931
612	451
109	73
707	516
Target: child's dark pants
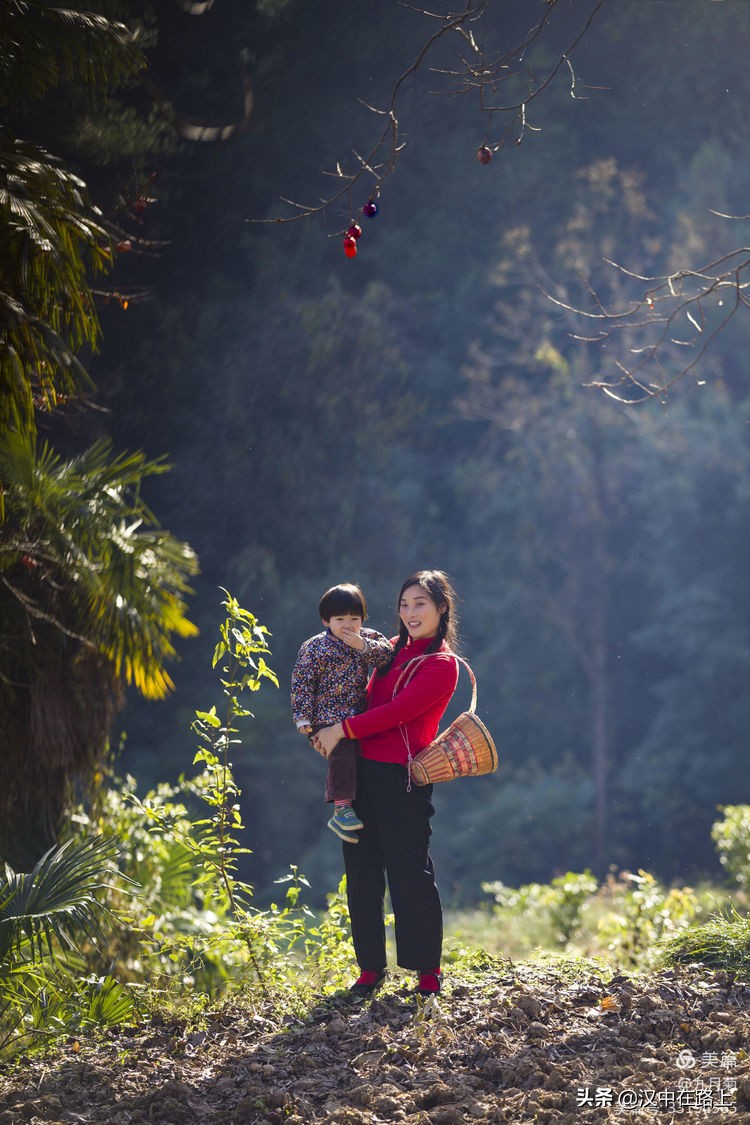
341	780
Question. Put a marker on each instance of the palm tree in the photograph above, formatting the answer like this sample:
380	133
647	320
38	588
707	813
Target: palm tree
91	596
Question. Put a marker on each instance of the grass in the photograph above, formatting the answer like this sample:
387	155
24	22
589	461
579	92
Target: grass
723	942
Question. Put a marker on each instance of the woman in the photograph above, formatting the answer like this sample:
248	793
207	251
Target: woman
394	842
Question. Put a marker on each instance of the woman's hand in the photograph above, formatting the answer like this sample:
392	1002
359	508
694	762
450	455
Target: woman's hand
327	737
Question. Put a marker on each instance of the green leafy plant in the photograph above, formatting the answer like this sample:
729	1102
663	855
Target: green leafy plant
731	837
192	930
723	940
48	917
625	920
641	914
170	931
557	906
328	947
208	845
194	922
241	653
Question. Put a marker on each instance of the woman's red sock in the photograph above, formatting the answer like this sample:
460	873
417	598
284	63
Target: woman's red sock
368	977
429	980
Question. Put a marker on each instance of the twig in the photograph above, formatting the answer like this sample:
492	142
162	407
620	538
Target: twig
476	76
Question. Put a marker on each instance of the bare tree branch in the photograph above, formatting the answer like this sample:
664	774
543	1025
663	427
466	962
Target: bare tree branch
687	308
683	309
475	74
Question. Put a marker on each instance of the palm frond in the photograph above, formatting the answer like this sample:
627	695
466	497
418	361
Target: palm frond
79	45
126	579
52	238
109	1002
55	906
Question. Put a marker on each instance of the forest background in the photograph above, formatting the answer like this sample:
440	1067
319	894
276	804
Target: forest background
425	404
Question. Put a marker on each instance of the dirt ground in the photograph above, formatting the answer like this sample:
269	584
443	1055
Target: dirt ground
510	1043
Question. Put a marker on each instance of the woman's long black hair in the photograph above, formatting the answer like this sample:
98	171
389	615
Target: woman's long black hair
437	585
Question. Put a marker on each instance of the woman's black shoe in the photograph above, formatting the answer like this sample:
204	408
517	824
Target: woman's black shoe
368	984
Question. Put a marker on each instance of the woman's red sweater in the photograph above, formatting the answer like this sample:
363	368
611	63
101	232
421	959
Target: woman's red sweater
419	706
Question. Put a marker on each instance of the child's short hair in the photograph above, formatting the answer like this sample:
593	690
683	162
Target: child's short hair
345	598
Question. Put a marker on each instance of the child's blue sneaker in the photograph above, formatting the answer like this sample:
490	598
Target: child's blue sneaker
345	823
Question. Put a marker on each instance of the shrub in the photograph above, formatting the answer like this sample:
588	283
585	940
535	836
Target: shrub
557	906
731	836
640	914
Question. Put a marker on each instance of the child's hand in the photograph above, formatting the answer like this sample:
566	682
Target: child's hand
353	637
305	730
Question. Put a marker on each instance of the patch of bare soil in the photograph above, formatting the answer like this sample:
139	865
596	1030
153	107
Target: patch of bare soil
511	1044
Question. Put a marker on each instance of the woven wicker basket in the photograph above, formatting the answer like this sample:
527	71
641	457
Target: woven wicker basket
464	749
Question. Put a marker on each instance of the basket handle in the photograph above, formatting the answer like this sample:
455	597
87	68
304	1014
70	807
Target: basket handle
412	665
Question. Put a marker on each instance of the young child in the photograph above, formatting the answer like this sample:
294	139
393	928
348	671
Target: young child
329	682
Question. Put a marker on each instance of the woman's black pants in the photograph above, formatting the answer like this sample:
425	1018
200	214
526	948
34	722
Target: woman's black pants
393	845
